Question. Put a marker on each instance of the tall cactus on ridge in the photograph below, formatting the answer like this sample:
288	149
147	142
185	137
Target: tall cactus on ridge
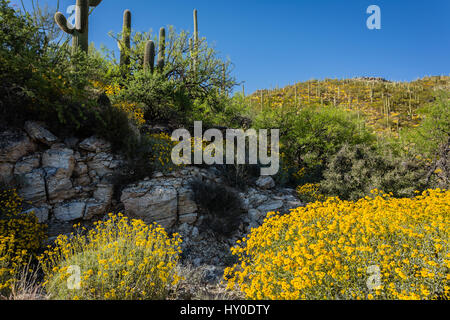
196	43
162	49
79	32
149	56
125	44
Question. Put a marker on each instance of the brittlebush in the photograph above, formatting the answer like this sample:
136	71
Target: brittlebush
337	250
120	259
21	235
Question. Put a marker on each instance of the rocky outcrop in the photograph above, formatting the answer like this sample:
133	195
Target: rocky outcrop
151	203
14	145
265	182
61	182
38	132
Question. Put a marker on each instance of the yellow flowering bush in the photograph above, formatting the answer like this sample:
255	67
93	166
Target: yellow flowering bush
21	236
10	263
378	247
161	156
310	192
120	259
133	111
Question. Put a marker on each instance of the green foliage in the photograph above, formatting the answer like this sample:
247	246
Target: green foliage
310	136
159	97
221	205
434	130
177	66
356	170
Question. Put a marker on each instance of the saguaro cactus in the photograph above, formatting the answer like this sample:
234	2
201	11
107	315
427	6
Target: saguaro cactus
162	48
196	42
79	32
125	44
149	56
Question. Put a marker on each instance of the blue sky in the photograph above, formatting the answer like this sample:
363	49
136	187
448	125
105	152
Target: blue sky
275	43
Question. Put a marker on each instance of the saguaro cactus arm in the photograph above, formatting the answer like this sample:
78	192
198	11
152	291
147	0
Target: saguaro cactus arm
126	39
94	3
194	53
61	21
162	48
149	56
79	32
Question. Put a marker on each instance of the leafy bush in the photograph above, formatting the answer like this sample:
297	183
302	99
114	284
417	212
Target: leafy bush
310	136
355	170
331	250
120	259
434	130
221	205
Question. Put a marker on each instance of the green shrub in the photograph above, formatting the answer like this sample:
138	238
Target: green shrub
221	205
433	131
310	136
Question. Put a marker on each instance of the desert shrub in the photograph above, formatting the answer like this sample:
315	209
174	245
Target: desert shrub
355	170
21	236
159	97
10	263
426	138
120	259
330	250
239	176
221	205
161	155
28	234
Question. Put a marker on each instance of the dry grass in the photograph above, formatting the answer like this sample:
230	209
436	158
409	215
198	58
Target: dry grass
26	286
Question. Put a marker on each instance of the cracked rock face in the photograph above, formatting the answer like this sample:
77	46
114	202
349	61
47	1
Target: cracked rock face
14	145
38	132
153	204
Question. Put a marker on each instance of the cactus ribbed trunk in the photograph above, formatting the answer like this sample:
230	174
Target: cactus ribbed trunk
149	56
161	49
196	42
80	33
126	40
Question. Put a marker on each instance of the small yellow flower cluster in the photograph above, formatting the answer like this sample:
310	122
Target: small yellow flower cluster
10	263
120	259
133	111
310	192
162	145
300	173
378	247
